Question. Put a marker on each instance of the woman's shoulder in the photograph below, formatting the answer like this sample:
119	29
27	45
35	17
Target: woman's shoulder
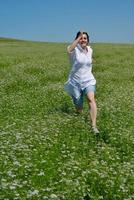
90	48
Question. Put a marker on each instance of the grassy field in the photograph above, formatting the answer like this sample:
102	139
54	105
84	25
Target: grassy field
46	150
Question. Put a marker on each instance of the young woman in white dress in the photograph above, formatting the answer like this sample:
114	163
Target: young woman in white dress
81	80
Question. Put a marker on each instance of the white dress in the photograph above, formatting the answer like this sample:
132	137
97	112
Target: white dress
80	75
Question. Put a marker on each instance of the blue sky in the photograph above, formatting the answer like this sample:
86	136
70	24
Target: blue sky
59	20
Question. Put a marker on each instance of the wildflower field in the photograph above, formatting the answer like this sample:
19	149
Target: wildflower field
48	152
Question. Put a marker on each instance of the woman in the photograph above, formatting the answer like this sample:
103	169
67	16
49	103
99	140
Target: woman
81	80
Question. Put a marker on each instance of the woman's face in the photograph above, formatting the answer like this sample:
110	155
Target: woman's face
83	41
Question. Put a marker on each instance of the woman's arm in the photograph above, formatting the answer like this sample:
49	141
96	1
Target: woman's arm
73	45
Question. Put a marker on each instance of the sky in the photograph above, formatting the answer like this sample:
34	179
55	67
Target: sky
109	21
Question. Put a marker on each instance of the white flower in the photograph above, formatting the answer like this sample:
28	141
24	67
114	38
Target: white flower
41	173
32	193
53	196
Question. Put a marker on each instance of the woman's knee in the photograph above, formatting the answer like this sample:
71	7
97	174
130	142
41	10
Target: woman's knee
90	97
91	102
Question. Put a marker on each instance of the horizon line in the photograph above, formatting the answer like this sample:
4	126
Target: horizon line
63	42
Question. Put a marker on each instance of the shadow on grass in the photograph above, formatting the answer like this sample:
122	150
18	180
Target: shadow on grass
87	197
63	108
102	137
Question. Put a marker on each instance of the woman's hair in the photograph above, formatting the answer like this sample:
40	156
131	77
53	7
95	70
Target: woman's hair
78	33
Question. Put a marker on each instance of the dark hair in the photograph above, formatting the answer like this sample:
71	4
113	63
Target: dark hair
78	33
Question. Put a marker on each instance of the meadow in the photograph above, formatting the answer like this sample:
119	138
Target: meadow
47	151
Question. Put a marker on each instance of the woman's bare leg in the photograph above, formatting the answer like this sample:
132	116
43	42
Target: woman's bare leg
92	107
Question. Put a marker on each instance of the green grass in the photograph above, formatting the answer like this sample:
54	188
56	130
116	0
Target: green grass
49	152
